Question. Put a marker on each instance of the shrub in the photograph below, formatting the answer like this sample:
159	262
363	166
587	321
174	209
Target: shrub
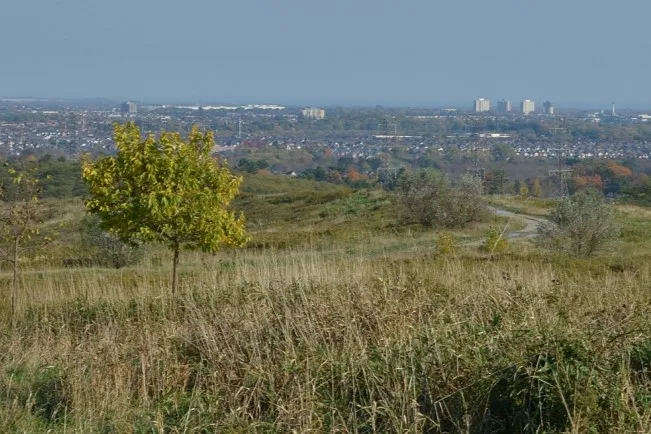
426	197
447	244
105	248
580	225
494	242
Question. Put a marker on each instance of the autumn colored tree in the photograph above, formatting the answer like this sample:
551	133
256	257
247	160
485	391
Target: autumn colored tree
165	189
353	175
609	176
618	169
583	182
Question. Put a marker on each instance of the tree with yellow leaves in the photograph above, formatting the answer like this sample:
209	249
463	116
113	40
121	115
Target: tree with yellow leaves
165	189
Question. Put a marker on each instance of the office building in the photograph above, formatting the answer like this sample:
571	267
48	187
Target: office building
481	105
527	106
548	108
504	106
313	113
129	108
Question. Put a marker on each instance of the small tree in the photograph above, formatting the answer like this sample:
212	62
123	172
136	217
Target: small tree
579	225
167	190
21	216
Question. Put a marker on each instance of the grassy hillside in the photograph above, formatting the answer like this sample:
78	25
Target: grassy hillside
334	319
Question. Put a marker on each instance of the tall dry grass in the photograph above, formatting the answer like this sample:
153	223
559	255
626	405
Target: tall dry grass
301	341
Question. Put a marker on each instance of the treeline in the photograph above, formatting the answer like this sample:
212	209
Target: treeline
621	179
61	178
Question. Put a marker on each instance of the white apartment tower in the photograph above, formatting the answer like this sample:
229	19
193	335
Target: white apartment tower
481	105
527	106
313	113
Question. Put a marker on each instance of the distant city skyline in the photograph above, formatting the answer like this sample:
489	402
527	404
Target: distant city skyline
462	105
292	52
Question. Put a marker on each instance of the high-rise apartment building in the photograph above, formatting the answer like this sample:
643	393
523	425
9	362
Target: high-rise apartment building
129	108
548	108
481	105
504	106
313	113
527	106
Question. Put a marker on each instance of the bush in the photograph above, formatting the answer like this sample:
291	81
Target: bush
580	225
426	197
494	242
447	244
107	249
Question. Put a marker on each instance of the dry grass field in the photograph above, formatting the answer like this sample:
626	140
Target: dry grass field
334	320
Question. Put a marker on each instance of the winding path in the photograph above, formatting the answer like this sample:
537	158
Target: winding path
529	231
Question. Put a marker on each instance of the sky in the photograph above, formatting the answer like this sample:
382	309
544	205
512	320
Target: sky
328	52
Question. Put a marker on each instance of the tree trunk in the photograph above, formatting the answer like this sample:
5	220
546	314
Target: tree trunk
14	283
175	265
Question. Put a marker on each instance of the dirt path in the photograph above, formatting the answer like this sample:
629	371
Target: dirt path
529	231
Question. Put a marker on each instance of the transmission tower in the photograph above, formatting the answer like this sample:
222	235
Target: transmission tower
384	128
477	173
561	173
387	177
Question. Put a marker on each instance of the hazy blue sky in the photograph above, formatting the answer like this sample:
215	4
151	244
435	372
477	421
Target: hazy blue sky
392	52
